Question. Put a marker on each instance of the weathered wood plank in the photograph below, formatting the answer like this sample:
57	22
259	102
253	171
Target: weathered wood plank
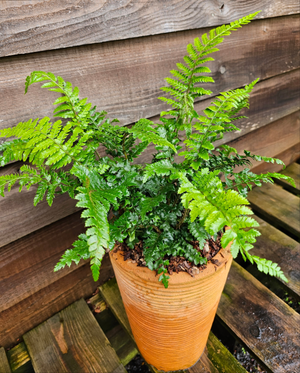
277	206
71	341
127	88
268	326
112	296
119	339
204	365
222	359
271	139
26	265
280	248
4	365
42	25
19	359
46	302
127	352
18	216
292	171
122	344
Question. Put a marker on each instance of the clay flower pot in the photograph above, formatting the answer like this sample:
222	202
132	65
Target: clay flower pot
171	326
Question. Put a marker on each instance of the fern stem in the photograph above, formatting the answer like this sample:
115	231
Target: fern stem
156	228
184	216
96	151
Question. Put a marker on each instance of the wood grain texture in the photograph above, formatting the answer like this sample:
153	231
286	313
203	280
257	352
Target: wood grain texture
19	359
117	336
281	249
268	326
111	294
122	344
277	206
292	171
26	265
271	139
221	357
204	365
4	365
43	25
41	305
18	215
71	341
124	77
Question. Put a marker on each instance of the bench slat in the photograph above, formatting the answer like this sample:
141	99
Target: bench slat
262	321
19	359
71	341
293	171
280	248
4	365
277	206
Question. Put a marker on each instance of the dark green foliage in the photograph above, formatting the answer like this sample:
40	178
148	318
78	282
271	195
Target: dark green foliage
165	205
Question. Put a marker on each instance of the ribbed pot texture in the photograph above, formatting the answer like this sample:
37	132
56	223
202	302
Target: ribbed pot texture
171	326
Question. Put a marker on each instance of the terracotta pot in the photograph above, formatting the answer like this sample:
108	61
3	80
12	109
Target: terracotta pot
171	326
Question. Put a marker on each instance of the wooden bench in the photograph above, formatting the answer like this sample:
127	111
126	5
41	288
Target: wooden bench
74	340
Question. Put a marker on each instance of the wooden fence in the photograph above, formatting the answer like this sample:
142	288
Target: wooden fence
118	53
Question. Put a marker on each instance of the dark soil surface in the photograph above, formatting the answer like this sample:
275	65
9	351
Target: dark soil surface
176	263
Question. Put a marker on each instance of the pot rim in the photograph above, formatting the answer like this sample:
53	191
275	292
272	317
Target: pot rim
148	275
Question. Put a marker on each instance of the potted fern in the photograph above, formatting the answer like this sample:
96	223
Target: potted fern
166	219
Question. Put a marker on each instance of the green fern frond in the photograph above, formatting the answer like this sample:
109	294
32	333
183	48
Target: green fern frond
268	267
187	73
163	167
96	196
148	204
25	177
199	232
48	181
95	215
216	208
79	251
44	142
145	131
143	203
216	115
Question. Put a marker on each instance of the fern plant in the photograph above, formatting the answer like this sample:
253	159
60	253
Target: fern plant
164	204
